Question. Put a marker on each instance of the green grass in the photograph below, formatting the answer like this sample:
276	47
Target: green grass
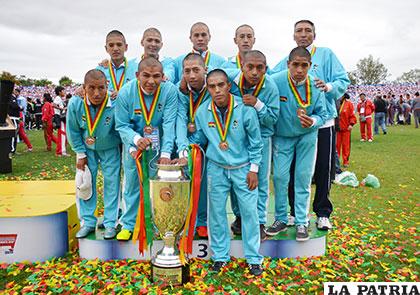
375	236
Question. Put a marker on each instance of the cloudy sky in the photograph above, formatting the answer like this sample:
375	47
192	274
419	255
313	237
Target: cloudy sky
52	38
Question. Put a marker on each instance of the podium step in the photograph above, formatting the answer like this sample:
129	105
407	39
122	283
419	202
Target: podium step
283	245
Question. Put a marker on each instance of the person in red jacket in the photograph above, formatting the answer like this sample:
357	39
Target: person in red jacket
347	120
365	108
47	118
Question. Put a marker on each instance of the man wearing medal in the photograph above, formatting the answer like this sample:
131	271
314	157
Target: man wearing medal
231	131
258	91
302	112
145	115
245	40
200	38
195	77
92	135
331	77
118	70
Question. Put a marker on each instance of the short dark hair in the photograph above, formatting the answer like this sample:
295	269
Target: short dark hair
58	89
416	94
346	96
362	94
115	32
305	21
244	26
149	61
299	51
194	56
217	72
94	74
152	30
199	24
47	97
255	53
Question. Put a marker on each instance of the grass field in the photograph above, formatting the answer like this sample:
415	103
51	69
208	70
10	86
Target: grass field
375	235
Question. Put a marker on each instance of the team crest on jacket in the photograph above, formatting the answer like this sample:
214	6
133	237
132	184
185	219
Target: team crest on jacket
83	118
107	120
283	98
137	111
159	107
235	124
212	125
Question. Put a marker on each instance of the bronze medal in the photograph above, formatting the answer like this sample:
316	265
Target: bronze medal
223	145
300	112
148	129
191	127
90	140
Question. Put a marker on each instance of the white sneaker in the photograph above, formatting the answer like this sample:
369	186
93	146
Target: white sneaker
363	140
370	140
323	223
290	220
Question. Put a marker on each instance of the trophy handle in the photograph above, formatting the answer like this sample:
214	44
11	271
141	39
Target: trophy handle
204	160
152	164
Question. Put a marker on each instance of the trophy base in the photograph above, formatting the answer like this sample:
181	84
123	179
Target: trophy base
174	276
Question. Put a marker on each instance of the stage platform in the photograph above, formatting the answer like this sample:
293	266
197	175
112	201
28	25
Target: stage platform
284	245
38	220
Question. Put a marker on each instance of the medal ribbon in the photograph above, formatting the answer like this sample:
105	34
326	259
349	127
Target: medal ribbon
342	106
257	88
93	124
114	77
238	61
194	106
195	160
148	114
301	102
143	227
223	131
206	57
313	50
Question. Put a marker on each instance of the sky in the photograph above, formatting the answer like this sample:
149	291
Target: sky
53	38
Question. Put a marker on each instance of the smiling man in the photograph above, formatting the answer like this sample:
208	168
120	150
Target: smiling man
145	115
92	135
231	131
330	77
200	38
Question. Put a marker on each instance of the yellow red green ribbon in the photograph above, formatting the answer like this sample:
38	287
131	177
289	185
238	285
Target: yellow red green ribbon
257	89
92	124
303	103
114	78
148	114
238	61
194	106
313	50
223	129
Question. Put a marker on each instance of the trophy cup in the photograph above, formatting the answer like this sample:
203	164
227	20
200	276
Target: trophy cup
169	195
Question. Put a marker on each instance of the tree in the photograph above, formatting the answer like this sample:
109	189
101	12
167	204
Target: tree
43	82
353	77
371	71
411	76
65	81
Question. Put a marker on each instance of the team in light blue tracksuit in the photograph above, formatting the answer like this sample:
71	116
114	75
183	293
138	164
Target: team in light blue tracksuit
267	108
183	140
215	62
289	138
227	169
130	123
104	152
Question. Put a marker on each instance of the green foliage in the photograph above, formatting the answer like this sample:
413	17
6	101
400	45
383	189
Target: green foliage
411	76
370	71
65	81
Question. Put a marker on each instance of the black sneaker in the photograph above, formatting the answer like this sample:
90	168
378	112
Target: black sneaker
302	233
236	226
277	227
255	269
263	235
218	265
